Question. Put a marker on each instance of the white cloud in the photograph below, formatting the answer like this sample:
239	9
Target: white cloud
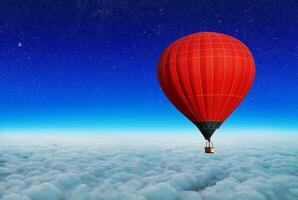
67	181
45	191
160	191
259	171
13	196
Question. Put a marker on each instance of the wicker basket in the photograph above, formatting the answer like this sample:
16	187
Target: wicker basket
209	149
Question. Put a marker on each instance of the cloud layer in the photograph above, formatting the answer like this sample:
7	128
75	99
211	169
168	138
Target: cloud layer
149	172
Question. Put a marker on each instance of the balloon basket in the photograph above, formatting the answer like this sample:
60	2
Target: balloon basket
209	147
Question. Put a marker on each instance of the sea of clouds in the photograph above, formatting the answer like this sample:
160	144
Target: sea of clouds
132	171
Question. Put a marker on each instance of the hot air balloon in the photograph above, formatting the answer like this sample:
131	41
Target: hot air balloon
206	75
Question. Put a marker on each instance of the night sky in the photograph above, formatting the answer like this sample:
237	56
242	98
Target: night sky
92	64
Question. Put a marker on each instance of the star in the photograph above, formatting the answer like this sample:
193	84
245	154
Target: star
20	44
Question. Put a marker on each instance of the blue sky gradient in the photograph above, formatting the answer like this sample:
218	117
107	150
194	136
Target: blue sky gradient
92	64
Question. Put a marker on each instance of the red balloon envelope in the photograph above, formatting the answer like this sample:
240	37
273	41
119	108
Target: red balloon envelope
206	75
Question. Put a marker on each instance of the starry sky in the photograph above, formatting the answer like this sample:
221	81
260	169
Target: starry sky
85	64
